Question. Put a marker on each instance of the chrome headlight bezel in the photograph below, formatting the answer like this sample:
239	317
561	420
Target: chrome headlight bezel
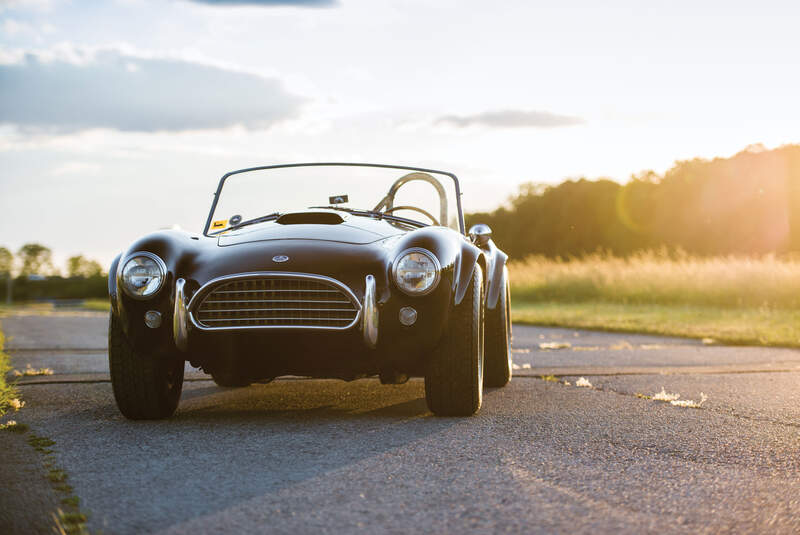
121	282
434	261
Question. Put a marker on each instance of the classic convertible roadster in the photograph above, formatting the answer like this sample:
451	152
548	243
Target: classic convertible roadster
379	280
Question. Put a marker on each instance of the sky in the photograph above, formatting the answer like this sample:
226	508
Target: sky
118	117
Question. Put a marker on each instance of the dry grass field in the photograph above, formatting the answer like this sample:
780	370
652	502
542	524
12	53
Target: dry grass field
729	299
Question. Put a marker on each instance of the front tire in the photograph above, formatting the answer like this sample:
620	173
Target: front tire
499	362
454	378
145	387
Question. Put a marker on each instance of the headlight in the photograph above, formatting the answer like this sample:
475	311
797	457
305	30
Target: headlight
416	271
143	275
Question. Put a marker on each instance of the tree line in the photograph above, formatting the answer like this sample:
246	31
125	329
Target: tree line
31	274
748	204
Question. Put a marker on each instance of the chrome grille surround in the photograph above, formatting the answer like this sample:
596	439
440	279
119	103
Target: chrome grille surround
274	300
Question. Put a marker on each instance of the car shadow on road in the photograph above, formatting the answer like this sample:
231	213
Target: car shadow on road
225	446
303	399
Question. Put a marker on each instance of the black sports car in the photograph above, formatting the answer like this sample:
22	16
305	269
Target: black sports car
379	280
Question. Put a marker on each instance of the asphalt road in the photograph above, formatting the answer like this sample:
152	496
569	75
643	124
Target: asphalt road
309	456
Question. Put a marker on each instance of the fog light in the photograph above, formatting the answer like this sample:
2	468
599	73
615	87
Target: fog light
152	318
408	316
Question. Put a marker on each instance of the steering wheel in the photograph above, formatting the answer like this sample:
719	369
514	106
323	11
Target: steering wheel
415	209
388	201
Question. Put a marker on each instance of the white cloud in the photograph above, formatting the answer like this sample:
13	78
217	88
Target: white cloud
70	89
511	119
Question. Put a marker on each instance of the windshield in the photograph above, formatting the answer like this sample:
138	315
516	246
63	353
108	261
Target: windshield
254	196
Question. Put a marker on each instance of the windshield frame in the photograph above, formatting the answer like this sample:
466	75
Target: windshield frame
334	164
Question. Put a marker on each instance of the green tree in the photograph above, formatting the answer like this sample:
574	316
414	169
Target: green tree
35	259
80	266
746	204
6	262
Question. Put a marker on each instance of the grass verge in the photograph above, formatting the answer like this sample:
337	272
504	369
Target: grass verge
69	520
740	326
45	309
101	305
26	308
8	392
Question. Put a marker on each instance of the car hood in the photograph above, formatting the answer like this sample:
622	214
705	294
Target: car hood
354	230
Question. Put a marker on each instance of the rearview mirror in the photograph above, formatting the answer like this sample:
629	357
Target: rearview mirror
480	234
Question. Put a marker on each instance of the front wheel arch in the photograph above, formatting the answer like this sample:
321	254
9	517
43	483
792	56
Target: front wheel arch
469	257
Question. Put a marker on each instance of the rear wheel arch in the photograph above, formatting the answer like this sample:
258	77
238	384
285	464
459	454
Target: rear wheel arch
498	367
497	278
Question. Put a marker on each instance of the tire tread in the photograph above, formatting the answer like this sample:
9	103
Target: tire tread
139	381
452	387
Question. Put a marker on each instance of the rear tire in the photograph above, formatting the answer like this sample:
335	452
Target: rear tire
454	378
145	387
499	364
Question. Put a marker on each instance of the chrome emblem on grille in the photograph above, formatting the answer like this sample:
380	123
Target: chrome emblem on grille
280	258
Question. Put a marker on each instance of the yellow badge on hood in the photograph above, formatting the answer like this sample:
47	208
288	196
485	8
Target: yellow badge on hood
219	224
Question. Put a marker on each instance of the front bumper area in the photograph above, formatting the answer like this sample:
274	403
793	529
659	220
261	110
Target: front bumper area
376	342
366	318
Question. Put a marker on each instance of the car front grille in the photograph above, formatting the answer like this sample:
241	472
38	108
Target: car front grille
302	301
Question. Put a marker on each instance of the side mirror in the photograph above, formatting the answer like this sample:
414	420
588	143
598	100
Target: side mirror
480	234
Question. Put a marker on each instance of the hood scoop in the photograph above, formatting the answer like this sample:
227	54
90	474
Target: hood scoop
310	218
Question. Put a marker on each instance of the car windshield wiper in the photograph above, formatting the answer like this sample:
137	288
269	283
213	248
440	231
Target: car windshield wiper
372	213
268	217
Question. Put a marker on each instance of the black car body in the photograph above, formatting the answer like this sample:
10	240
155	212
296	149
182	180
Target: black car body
312	292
